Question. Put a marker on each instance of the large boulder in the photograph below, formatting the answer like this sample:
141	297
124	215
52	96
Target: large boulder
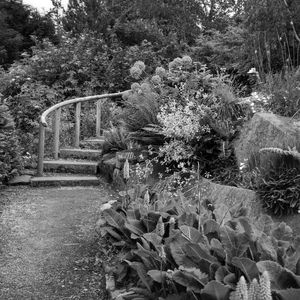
230	196
266	130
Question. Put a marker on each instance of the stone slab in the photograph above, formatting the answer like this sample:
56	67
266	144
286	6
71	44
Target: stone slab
266	130
20	180
91	154
71	166
64	181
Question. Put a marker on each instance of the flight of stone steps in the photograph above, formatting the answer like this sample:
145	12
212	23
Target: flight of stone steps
75	166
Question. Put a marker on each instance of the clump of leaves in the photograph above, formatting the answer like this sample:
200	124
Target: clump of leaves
276	179
187	252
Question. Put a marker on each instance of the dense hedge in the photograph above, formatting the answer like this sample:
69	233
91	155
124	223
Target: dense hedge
10	160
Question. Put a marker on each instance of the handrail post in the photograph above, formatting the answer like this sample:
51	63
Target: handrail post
41	150
56	128
77	124
98	118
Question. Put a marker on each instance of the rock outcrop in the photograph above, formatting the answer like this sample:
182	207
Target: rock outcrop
266	130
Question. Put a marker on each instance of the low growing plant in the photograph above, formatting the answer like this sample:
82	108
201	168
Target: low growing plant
198	253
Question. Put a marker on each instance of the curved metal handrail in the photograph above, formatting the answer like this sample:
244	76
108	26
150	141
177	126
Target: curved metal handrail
73	101
57	108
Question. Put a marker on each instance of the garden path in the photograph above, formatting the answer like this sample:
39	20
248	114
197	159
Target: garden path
48	243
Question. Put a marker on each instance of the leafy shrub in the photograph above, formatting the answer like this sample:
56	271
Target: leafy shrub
10	156
193	110
75	67
283	91
192	251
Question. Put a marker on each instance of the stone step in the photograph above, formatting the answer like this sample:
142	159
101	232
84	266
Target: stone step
71	166
67	180
93	143
80	153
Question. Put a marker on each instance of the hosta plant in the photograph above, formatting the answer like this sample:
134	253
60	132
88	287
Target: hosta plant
200	252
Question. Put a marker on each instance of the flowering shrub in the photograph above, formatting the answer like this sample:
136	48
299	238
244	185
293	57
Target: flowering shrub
190	108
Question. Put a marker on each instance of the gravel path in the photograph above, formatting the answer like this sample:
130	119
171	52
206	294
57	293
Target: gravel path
48	243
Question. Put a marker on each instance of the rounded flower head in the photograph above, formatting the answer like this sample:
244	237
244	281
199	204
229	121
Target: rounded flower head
135	87
135	72
140	64
156	80
160	71
187	60
145	87
176	63
126	95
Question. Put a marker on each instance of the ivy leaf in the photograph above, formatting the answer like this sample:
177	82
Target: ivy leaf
215	290
247	266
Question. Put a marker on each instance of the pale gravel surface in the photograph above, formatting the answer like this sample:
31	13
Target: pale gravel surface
47	243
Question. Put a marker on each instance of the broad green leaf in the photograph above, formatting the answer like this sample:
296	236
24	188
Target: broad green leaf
199	252
189	219
141	271
221	273
211	226
177	248
217	247
153	238
192	279
111	232
265	246
281	278
282	232
114	219
158	276
247	266
222	214
215	290
291	261
288	294
193	235
264	224
136	227
133	214
235	244
230	280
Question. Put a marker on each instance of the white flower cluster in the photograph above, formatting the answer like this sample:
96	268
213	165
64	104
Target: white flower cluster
175	150
181	122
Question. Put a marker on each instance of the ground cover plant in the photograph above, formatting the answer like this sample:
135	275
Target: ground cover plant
172	250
